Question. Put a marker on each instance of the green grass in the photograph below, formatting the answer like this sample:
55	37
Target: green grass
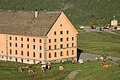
80	12
90	70
99	43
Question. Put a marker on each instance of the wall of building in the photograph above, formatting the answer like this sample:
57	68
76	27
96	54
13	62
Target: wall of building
3	48
65	34
26	48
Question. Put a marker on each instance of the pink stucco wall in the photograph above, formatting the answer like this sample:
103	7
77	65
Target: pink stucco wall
62	24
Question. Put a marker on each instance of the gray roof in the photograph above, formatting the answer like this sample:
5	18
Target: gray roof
24	22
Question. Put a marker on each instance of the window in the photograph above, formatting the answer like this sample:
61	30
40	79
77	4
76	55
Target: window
55	40
21	45
67	39
67	45
40	47
72	44
61	45
40	40
27	39
67	32
49	47
49	55
16	52
55	46
27	53
27	45
72	38
49	40
21	52
55	54
10	38
10	51
33	40
61	53
27	60
60	24
33	54
10	44
61	39
72	52
15	44
33	46
61	32
40	55
16	38
54	32
67	53
21	39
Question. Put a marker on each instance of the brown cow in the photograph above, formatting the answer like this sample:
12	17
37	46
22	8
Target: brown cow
31	71
105	65
20	69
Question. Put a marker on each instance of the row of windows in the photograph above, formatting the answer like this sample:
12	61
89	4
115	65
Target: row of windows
61	54
40	54
61	46
61	32
10	38
16	45
28	54
61	39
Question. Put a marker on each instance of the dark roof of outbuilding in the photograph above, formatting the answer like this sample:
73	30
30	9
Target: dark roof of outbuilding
25	23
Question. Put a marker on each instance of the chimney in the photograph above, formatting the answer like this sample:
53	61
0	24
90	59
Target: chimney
36	14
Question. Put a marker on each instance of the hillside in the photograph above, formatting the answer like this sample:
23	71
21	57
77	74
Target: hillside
80	12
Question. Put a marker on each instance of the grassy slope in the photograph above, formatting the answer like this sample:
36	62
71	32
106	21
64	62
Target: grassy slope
95	42
80	12
92	70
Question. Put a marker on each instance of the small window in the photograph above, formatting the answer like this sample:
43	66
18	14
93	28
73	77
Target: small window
67	45
33	40
67	32
72	38
54	32
40	40
72	44
40	55
67	53
61	45
27	45
10	57
33	46
27	39
15	44
27	53
61	53
55	54
55	40
21	52
49	55
49	47
16	52
27	60
72	52
61	39
21	45
10	51
60	24
67	39
49	40
61	32
33	54
40	47
10	38
21	39
55	46
10	44
16	38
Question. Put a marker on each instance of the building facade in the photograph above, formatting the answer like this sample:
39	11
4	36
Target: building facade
36	37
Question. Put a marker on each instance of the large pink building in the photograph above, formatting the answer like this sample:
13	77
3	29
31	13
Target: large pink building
36	37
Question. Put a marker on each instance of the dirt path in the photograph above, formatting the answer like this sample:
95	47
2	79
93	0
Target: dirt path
72	75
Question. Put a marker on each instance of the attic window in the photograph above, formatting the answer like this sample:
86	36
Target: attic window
60	24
